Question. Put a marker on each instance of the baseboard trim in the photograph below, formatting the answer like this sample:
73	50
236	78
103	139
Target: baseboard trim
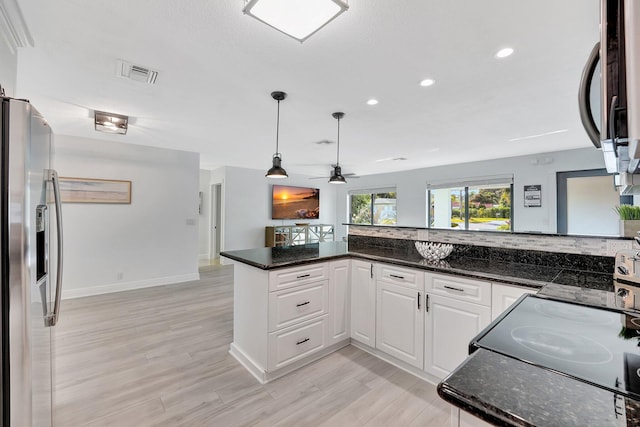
248	363
397	363
264	377
127	286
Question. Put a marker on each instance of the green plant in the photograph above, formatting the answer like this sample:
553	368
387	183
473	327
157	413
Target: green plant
628	212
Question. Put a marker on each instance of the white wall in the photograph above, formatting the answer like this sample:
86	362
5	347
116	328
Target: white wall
246	210
586	218
527	170
153	240
8	69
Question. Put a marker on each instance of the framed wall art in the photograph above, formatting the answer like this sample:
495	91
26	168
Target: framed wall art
88	190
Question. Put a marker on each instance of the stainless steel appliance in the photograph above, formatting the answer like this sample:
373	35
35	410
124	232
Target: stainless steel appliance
618	52
31	265
626	279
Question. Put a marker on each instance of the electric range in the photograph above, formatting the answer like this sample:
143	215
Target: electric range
594	345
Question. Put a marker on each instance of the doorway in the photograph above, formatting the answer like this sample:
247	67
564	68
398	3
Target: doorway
215	228
586	202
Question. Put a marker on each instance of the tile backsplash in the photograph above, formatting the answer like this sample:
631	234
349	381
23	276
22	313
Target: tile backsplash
550	243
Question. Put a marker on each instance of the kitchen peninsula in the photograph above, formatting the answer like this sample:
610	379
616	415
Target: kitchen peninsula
294	305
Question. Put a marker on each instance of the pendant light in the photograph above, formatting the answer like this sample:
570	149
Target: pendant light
276	170
336	176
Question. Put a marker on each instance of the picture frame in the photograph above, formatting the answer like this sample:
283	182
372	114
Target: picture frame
91	190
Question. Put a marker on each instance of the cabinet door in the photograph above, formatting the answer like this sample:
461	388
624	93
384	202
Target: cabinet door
450	325
502	296
400	323
363	303
339	307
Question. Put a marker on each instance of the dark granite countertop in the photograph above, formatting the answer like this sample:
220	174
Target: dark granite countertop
522	274
507	392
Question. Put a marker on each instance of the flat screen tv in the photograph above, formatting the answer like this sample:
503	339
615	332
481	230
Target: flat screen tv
295	202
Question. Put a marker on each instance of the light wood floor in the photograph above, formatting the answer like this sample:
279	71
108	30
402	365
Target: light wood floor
159	357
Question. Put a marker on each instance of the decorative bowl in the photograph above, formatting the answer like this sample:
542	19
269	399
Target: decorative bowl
434	251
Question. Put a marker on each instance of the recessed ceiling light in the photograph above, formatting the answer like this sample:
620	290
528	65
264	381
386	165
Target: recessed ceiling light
427	82
539	135
503	53
372	101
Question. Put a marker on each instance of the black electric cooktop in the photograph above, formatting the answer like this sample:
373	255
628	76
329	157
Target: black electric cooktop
598	346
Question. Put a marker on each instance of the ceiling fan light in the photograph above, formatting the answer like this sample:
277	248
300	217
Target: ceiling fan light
297	19
277	171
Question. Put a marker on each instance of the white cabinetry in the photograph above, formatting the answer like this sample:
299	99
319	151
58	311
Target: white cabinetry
363	303
502	296
298	312
457	309
339	303
400	314
288	317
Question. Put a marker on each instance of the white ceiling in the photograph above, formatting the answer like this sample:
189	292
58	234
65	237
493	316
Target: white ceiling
218	68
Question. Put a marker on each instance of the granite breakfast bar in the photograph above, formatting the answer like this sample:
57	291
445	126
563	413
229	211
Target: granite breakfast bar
494	387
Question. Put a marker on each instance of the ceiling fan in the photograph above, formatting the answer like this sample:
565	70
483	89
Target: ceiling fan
336	175
350	175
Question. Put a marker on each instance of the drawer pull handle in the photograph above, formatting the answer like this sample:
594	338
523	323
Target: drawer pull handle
303	303
302	276
453	289
303	341
397	277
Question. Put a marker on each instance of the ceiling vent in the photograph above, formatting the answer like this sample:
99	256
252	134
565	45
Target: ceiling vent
136	73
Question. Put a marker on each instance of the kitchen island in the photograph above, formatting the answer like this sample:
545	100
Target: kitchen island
494	387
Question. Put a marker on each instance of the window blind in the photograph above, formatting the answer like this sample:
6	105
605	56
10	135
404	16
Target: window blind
471	182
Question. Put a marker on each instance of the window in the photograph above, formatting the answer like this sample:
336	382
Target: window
482	204
373	207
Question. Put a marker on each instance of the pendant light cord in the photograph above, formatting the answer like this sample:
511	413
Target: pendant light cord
338	150
278	128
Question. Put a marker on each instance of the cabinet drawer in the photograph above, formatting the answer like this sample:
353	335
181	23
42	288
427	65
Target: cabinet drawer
460	288
401	276
286	278
292	344
294	305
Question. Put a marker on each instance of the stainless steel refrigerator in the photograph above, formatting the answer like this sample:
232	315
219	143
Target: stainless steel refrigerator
31	261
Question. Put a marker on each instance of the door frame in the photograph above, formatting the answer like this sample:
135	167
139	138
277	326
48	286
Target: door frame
562	196
215	220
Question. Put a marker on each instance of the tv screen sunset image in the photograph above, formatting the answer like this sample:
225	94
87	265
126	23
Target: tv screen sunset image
295	202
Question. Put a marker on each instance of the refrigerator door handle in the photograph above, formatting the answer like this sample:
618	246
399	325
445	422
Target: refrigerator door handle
52	318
